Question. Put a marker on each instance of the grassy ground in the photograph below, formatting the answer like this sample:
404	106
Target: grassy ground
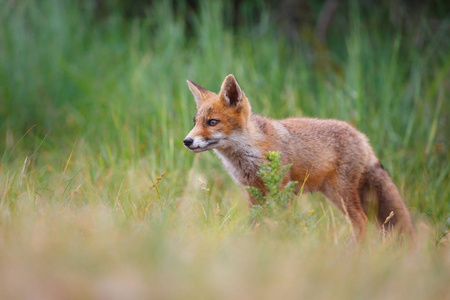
99	198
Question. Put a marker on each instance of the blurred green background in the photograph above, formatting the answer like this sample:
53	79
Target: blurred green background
111	75
94	107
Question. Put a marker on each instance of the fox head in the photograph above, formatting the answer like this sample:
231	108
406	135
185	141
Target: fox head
220	118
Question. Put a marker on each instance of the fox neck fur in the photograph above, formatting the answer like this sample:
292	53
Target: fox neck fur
242	157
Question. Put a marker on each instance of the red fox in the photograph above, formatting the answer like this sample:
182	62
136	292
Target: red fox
337	158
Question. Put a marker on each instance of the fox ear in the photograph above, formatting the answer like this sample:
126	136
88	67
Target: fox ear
231	92
198	92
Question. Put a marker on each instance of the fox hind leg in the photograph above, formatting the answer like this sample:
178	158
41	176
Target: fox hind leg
349	202
354	210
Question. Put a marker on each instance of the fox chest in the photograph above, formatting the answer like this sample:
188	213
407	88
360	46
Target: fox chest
243	168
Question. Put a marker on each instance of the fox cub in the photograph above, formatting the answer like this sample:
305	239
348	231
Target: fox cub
337	158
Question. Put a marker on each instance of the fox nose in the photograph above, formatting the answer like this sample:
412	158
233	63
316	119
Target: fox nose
188	141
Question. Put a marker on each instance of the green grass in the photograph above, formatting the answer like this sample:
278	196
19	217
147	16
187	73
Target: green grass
93	109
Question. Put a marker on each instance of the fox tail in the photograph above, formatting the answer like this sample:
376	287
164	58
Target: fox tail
388	200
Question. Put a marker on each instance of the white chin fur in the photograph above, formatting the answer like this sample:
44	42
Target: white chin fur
198	150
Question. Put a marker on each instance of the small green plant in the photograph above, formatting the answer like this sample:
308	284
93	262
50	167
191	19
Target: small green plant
278	204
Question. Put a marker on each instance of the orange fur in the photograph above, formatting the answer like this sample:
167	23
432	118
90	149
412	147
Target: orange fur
337	158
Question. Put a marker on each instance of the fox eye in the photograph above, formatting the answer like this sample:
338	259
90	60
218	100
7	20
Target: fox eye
212	122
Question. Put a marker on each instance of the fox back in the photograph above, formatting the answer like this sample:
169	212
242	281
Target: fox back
336	158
